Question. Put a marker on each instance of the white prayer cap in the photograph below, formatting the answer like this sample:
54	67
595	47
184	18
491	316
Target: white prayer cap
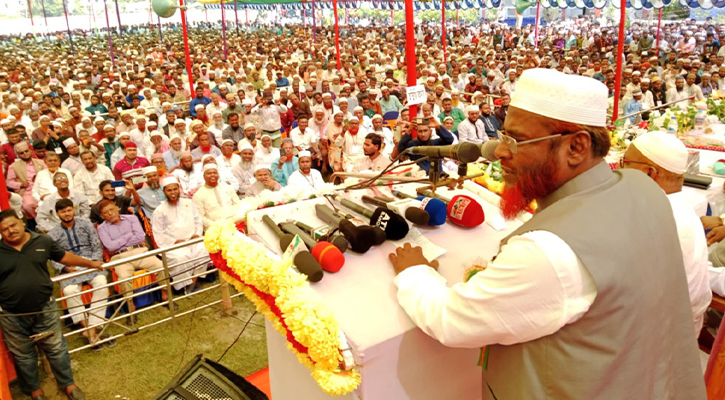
570	98
168	181
99	119
261	166
155	133
69	142
245	146
148	170
207	156
265	135
249	125
227	141
108	126
377	116
358	108
199	107
304	153
209	166
342	100
42	117
124	134
663	149
471	108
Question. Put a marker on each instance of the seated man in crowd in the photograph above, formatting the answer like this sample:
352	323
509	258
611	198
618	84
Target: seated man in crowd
78	236
151	194
89	177
472	129
108	192
21	177
373	160
244	171
26	288
266	153
228	158
172	156
73	162
445	137
43	185
263	181
306	178
47	218
215	200
286	164
177	220
130	161
122	236
189	174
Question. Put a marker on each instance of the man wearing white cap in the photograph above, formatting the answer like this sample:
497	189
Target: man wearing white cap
263	181
173	154
189	174
73	162
228	159
244	171
214	200
177	220
472	129
663	158
217	126
151	194
266	153
305	178
575	295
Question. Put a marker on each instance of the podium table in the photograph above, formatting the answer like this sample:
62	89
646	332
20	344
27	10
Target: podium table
396	359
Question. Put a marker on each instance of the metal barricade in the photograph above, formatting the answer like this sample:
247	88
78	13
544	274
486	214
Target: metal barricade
124	298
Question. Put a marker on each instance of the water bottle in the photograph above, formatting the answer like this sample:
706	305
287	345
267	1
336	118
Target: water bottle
672	125
699	123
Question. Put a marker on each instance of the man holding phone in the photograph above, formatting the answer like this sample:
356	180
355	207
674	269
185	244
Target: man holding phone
286	164
425	127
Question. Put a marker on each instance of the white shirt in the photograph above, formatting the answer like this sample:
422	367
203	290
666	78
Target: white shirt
472	132
43	184
310	183
694	254
303	140
215	203
534	287
265	156
87	182
230	162
211	108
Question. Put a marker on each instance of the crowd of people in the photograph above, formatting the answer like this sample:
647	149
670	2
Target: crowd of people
113	155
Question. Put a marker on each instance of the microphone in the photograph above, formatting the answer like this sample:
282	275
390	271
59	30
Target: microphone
436	208
284	238
412	214
393	224
329	256
360	237
488	149
464	152
338	240
379	236
462	210
303	261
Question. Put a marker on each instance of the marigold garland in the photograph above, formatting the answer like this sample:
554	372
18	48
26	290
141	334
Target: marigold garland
283	296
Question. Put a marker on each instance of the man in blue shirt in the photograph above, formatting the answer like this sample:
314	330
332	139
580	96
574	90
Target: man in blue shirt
281	80
425	132
199	99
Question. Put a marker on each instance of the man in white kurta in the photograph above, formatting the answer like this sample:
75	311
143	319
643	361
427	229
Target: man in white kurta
215	200
663	158
307	179
352	143
188	174
177	220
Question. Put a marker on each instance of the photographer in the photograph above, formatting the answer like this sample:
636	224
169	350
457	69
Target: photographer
268	114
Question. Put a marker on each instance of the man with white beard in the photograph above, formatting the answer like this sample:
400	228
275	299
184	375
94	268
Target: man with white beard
385	134
266	154
217	126
172	156
174	221
228	159
244	171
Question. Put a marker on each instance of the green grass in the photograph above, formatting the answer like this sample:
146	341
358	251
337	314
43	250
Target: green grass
142	364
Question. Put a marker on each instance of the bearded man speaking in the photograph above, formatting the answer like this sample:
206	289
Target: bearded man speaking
572	307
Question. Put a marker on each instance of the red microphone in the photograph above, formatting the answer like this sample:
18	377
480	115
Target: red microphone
329	256
462	210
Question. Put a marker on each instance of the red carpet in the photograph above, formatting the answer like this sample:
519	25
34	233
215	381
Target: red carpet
260	379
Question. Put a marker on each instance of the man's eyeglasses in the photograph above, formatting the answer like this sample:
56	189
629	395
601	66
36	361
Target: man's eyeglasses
513	144
623	162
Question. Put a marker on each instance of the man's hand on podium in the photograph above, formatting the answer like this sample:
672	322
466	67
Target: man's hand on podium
408	256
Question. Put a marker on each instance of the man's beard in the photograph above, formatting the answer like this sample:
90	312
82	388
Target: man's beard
680	89
534	183
187	169
175	153
219	124
247	165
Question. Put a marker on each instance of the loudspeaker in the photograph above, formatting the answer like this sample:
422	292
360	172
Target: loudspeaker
165	8
203	379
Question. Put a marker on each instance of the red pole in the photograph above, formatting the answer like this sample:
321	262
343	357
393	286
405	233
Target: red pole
620	51
659	22
186	49
536	30
4	196
337	35
410	59
30	11
443	28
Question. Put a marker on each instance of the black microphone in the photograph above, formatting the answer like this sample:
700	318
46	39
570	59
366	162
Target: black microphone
379	236
360	237
329	256
488	150
464	152
393	224
412	214
338	240
284	238
303	261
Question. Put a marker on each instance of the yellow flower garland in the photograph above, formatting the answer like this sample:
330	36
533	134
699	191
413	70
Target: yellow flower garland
310	322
